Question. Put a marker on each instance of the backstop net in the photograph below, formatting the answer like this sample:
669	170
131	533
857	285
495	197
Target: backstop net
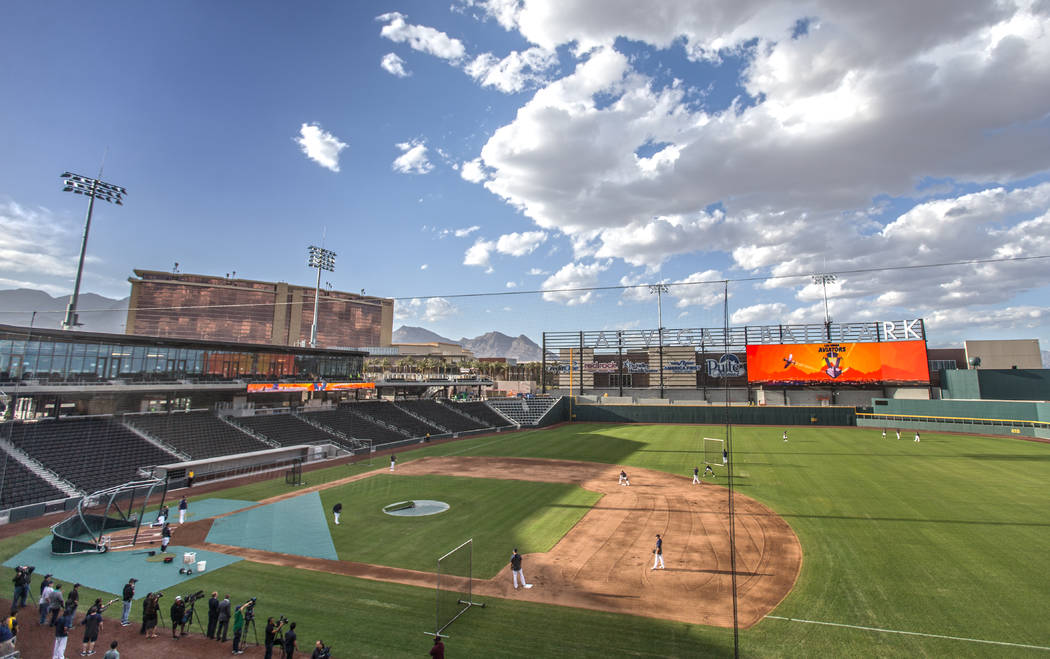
713	450
454	592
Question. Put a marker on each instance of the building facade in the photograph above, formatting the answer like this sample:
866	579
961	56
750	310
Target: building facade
205	307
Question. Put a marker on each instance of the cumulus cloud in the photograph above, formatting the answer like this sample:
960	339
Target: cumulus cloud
512	284
866	105
413	158
463	233
520	244
37	244
420	37
424	266
535	272
478	253
320	146
430	310
473	171
766	313
702	289
514	72
394	65
571	276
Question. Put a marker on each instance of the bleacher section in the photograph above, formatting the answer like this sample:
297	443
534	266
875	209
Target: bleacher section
92	453
388	413
482	412
440	415
352	425
198	434
22	486
286	430
525	411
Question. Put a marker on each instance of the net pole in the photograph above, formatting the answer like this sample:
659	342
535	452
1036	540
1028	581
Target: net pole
729	476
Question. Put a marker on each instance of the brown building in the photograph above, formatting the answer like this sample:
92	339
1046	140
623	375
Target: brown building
222	309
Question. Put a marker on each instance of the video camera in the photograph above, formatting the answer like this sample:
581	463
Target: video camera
191	599
249	609
28	569
107	604
324	652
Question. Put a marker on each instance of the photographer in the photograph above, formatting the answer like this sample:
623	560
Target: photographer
92	627
238	624
22	581
273	630
178	617
321	651
150	612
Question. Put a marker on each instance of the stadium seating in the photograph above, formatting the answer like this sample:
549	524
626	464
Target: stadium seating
526	411
22	486
341	420
92	453
390	414
482	412
285	429
440	415
198	434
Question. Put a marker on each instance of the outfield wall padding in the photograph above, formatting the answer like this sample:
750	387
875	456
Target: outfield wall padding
714	414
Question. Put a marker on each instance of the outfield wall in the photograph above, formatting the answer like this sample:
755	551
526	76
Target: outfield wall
987	417
710	414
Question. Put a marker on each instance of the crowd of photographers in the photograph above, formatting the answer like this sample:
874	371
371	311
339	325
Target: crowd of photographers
59	610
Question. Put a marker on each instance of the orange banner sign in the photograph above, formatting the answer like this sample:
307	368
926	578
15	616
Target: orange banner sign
341	386
274	387
827	363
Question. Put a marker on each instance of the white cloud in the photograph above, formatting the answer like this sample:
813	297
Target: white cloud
463	233
520	244
35	242
766	313
473	171
394	65
514	72
421	37
478	253
424	266
699	289
572	276
431	310
413	159
512	284
535	272
320	146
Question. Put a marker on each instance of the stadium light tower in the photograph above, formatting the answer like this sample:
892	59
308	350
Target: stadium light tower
93	188
659	290
322	259
824	280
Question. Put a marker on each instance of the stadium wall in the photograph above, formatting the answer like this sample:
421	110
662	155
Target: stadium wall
989	417
709	414
997	384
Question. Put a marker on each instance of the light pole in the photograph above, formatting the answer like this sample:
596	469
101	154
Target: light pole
94	188
824	280
322	259
659	290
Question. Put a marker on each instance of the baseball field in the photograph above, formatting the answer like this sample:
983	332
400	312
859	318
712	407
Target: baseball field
848	545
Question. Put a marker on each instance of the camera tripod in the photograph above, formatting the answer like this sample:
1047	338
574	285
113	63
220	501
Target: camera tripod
249	621
191	615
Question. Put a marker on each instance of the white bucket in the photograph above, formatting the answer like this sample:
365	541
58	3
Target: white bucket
189	557
201	565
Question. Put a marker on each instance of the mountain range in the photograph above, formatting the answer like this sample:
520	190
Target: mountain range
27	307
489	344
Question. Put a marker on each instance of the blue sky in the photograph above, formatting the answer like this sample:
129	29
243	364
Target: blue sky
504	145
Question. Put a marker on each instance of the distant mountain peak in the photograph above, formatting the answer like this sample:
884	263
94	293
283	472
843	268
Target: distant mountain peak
489	344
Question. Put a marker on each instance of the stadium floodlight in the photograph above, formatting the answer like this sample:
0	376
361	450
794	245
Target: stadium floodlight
322	259
92	188
659	290
824	280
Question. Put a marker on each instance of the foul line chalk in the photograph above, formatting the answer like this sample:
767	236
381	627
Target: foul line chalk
897	631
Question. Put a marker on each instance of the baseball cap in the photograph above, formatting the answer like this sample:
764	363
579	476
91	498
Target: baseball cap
133	580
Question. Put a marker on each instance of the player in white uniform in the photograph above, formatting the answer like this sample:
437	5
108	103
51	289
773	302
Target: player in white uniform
658	553
696	476
916	435
785	435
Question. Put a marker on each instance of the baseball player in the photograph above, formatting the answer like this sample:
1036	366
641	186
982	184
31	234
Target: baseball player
393	461
898	433
658	553
515	570
709	470
785	435
696	476
916	435
884	433
337	510
623	477
183	506
725	457
626	479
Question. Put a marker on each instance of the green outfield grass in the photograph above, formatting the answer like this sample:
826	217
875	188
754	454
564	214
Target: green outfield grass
945	537
498	514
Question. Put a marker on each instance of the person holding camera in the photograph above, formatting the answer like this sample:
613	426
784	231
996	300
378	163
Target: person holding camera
273	629
22	581
321	651
238	625
178	617
224	619
150	613
92	627
128	595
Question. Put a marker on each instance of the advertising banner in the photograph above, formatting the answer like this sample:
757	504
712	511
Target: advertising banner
274	387
343	386
828	363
